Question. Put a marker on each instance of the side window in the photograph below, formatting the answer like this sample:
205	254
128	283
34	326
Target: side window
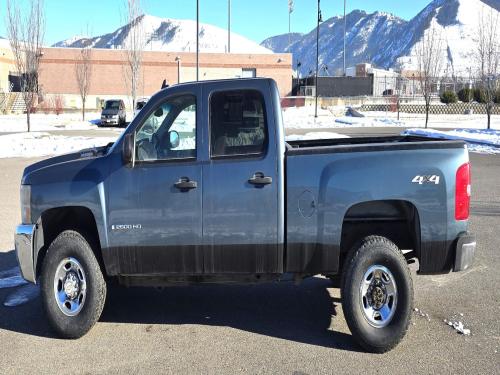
169	132
237	123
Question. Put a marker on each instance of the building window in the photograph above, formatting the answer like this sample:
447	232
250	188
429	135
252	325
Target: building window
248	73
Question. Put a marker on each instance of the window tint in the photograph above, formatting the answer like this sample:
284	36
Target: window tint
237	123
169	132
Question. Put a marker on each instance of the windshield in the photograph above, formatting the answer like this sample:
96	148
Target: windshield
112	104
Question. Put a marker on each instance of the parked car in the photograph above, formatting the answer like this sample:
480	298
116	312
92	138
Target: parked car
113	113
232	201
139	104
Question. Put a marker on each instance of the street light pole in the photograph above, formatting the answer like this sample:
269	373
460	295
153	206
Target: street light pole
345	27
228	26
290	10
197	40
317	63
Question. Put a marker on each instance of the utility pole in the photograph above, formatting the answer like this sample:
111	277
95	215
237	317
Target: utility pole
317	62
228	26
197	40
290	10
345	28
178	59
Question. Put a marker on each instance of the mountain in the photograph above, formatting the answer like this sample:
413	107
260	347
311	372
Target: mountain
386	40
68	42
167	34
281	42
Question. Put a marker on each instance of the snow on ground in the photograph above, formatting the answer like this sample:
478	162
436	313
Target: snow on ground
43	122
417	120
22	291
41	143
36	144
331	117
479	140
334	117
314	135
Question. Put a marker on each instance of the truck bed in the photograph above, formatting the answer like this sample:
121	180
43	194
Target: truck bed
360	144
328	180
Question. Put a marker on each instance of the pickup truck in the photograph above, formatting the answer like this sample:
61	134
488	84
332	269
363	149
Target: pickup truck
202	187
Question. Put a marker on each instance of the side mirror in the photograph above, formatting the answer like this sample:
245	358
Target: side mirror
174	138
128	149
159	112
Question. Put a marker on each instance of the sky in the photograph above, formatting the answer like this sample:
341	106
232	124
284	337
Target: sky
256	19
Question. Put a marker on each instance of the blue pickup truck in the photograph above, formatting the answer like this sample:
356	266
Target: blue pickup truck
202	188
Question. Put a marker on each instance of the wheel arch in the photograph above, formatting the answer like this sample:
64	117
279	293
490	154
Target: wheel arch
397	220
55	220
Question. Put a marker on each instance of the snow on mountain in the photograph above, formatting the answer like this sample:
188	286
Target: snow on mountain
368	38
281	42
456	22
69	42
167	34
386	40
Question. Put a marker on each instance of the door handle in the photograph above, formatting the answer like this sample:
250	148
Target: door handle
185	184
260	180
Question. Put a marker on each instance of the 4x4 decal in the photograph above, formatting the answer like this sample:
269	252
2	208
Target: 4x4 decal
429	179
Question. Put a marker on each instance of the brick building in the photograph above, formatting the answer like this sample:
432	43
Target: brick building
57	72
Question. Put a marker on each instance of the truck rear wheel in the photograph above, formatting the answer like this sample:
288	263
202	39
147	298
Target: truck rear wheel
377	294
72	285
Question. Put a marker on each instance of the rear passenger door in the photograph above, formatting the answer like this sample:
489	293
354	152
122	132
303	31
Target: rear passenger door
240	192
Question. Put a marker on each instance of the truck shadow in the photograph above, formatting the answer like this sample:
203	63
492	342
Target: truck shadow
305	313
26	317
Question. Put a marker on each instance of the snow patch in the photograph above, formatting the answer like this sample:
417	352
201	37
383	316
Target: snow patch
37	144
422	314
42	122
22	295
458	326
479	140
314	135
11	278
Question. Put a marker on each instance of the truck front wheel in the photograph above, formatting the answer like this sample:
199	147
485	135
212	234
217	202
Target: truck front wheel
377	294
72	285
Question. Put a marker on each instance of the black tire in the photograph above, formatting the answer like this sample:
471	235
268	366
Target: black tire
374	251
70	244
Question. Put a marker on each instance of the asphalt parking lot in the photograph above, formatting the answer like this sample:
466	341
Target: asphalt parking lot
271	328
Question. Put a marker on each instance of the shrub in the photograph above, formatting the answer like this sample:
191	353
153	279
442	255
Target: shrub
449	97
497	97
480	95
465	95
45	107
58	104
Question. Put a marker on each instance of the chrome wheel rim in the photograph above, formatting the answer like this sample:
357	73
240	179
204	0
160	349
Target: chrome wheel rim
70	286
378	296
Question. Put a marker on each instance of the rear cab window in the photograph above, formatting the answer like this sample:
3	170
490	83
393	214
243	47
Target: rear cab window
238	124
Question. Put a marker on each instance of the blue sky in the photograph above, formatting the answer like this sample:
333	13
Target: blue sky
256	19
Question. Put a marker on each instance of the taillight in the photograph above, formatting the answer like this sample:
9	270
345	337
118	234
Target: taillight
462	192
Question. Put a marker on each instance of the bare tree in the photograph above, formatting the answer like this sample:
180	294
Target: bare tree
134	45
26	33
429	60
487	56
83	72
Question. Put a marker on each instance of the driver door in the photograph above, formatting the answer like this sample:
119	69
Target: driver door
155	215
